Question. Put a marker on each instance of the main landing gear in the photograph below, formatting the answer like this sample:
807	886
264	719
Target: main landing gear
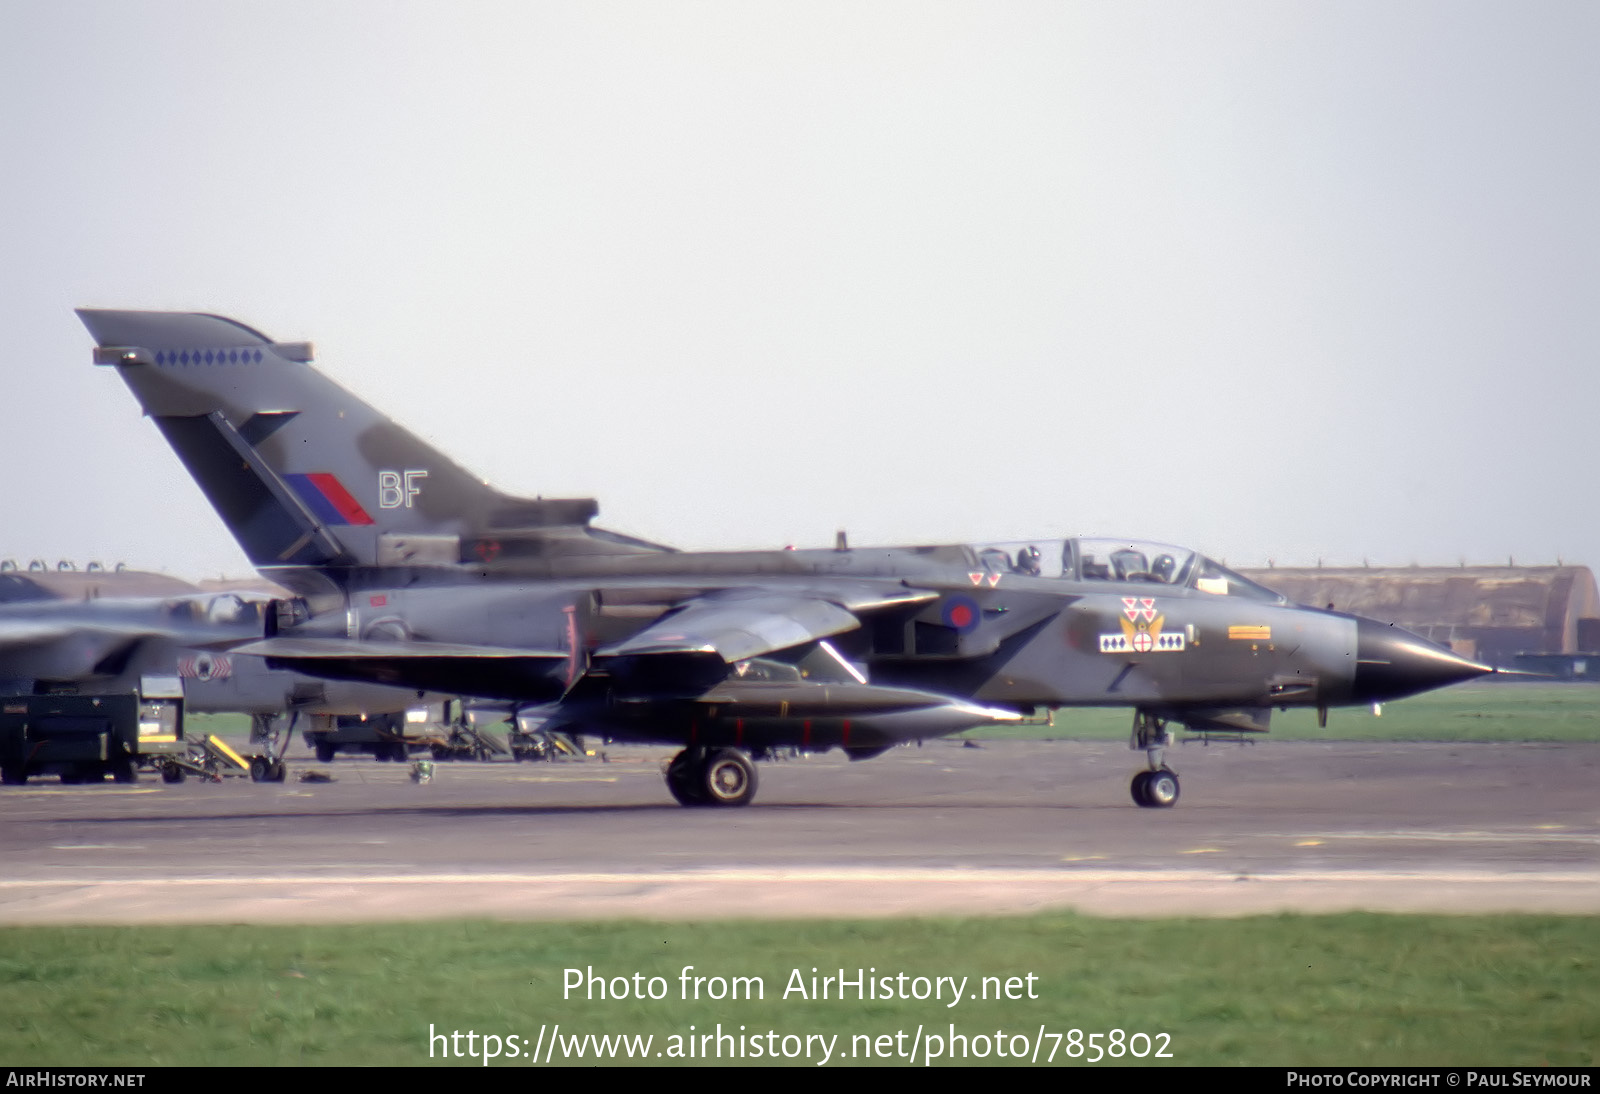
263	770
266	734
712	776
1156	788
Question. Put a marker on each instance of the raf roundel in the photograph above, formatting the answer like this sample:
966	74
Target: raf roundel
960	612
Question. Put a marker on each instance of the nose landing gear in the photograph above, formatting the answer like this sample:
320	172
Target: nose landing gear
1157	787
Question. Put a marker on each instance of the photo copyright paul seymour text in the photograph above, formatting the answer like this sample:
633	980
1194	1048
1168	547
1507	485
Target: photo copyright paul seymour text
1461	1078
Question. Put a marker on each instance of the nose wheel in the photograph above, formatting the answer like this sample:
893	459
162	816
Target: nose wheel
721	776
1156	789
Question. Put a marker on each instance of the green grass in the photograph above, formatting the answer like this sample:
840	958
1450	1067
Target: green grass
1468	712
223	725
1332	990
1497	711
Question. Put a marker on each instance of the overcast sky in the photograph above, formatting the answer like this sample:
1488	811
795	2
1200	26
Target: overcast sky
1274	280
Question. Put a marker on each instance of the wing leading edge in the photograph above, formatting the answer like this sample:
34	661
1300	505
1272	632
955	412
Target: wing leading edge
492	672
737	626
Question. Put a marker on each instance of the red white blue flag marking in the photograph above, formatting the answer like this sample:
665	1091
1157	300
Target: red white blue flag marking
328	498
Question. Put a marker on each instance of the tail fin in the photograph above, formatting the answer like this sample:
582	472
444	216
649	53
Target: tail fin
304	474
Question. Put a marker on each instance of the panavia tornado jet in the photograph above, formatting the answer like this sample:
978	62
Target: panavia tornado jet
51	645
411	571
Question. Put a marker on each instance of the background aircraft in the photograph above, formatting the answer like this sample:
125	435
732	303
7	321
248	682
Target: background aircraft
415	573
178	643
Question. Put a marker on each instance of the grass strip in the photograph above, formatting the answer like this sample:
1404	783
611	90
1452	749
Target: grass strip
1468	712
1305	990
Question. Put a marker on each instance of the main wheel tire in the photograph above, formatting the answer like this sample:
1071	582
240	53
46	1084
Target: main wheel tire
325	752
1161	789
683	780
276	771
728	778
123	771
260	770
1141	796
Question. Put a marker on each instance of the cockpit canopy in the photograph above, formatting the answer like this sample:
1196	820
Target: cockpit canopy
224	609
1119	561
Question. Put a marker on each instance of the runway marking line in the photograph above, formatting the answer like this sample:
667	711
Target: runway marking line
799	893
933	876
1472	837
99	847
97	791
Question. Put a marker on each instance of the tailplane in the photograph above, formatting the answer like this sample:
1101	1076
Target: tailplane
306	475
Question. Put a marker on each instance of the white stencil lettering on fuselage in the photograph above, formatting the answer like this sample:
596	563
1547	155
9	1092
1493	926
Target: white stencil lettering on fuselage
398	489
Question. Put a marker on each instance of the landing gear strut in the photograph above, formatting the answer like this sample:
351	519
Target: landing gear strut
716	776
268	767
1157	787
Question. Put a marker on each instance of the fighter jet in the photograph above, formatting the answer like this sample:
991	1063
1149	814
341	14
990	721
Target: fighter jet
412	571
52	645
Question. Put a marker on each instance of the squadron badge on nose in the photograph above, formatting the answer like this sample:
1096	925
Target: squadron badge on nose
1141	630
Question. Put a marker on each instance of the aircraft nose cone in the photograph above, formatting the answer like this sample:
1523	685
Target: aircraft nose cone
1392	663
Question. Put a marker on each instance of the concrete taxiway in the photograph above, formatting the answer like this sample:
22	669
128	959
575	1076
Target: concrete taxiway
942	829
